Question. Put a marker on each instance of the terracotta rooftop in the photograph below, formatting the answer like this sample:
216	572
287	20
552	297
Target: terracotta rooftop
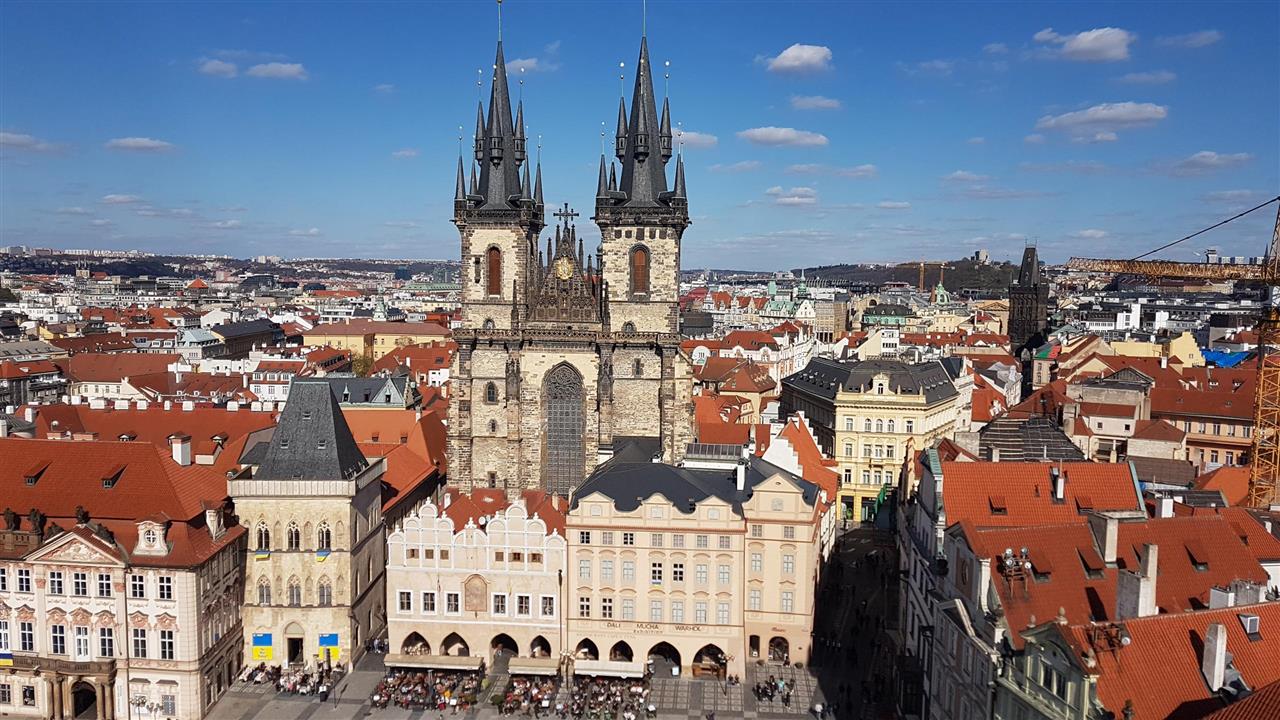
114	367
1012	494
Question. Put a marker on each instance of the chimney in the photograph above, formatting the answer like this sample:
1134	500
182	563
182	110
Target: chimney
1213	664
4	428
188	405
29	413
1136	591
168	405
233	406
1165	508
213	520
1059	484
741	475
1164	361
181	445
995	454
142	404
1106	532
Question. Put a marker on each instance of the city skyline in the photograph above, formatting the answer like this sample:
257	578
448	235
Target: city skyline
810	139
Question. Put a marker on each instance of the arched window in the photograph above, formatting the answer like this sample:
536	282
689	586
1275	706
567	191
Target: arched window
264	591
324	593
477	264
294	536
563	449
295	593
488	324
490	393
493	426
848	424
638	370
640	269
324	537
879	426
628	327
866	425
264	537
494	257
889	426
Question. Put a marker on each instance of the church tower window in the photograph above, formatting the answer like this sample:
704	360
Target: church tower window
324	537
493	426
640	270
562	464
264	591
295	537
264	537
490	393
494	271
638	369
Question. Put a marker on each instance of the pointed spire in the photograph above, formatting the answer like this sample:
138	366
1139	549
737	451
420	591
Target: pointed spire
549	253
620	139
602	185
643	181
680	189
475	183
499	162
664	133
580	256
537	186
613	177
479	139
460	190
526	185
520	139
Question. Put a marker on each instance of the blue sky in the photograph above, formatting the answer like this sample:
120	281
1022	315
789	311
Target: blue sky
816	132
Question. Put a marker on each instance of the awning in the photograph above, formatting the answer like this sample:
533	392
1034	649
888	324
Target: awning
533	666
443	662
609	668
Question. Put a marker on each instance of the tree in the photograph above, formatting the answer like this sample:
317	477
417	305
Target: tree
361	365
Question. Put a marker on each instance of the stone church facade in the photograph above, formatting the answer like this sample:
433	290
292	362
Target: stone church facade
564	354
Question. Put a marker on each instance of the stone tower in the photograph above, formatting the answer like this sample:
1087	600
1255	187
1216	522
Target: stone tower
1028	305
548	347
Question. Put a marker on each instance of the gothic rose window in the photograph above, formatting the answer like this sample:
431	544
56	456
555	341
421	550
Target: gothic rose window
640	270
495	271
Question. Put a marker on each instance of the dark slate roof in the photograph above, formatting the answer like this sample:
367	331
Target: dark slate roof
245	327
888	310
1029	272
1029	440
628	482
823	376
1124	379
954	365
363	390
1163	470
17	424
312	440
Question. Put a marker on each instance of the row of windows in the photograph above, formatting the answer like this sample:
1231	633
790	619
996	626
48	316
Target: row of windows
500	604
657	570
293	537
872	451
293	593
879	425
80	581
659	611
788	531
869	477
58	640
723	542
638	260
1203	428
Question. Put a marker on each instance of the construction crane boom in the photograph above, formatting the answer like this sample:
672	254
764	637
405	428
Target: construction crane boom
1264	455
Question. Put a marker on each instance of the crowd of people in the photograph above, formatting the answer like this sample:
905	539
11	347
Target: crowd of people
609	699
318	680
432	689
775	688
529	695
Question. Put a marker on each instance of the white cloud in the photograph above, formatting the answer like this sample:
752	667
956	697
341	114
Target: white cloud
863	171
278	71
1232	196
800	58
783	136
147	212
550	61
814	102
404	153
22	141
71	211
805	169
384	88
402	224
139	144
693	139
524	65
101	222
795	196
1090	234
893	205
934	68
1191	40
1106	44
1103	118
1102	136
859	171
256	56
1034	139
995	49
225	224
739	167
1207	161
1083	167
182	212
308	232
217	68
1154	77
964	176
976	141
116	199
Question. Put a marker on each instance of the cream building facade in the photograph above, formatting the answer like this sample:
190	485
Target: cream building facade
703	567
475	575
316	555
866	414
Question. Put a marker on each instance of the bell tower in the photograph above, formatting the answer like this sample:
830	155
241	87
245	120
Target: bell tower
641	221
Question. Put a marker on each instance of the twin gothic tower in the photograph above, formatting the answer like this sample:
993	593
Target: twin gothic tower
566	356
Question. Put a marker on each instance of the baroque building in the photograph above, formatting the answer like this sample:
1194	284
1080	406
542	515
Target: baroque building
555	342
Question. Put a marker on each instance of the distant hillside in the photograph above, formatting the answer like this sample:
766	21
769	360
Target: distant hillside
959	274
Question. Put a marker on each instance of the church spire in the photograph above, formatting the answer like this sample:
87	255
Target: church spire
500	152
460	190
664	134
679	191
520	139
602	185
526	186
644	180
620	139
537	186
479	136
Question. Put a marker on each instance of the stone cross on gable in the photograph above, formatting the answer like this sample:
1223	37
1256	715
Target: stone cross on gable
566	214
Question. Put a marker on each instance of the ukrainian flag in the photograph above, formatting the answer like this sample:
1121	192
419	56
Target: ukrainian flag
6	658
322	555
262	555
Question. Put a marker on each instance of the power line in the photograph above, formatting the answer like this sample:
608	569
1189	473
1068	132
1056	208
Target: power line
1200	232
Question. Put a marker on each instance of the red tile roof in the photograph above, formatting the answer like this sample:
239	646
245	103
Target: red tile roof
749	378
114	367
1159	670
464	508
1179	402
153	425
1263	704
378	327
1115	410
750	340
816	468
970	489
419	358
13	370
1158	430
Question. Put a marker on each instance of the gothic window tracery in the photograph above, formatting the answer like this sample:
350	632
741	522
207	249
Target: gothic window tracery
564	448
324	537
294	536
491	393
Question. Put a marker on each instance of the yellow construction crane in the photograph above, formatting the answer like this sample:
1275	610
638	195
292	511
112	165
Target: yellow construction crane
1264	458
